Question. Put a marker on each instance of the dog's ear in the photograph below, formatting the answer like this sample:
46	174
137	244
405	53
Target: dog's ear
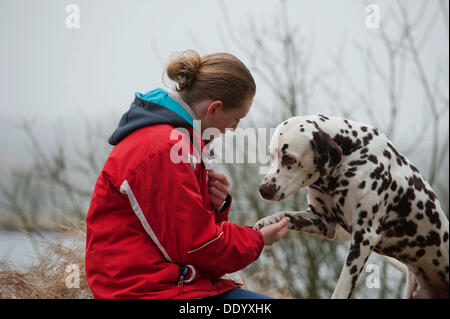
326	151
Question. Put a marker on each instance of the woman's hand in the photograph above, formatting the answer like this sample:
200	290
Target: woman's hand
274	232
218	186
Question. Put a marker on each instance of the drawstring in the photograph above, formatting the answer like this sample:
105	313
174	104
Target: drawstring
183	271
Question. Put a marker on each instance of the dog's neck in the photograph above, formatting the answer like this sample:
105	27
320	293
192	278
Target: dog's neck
329	181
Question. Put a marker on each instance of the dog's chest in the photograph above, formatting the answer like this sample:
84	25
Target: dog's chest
327	205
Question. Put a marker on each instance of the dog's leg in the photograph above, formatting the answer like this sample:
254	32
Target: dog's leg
411	285
360	250
307	221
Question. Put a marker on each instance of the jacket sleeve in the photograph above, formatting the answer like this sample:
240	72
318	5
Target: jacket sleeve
167	199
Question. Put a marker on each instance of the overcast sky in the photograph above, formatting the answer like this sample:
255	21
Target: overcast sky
51	74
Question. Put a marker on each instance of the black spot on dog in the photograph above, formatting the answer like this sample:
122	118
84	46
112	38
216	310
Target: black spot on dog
419	204
432	215
387	154
353	254
414	168
374	185
299	222
393	186
376	174
419	185
401	160
400	228
355	277
367	138
346	144
362	185
287	160
405	203
378	230
349	173
420	253
358	237
421	241
357	162
363	214
373	159
433	239
285	123
353	269
419	216
375	208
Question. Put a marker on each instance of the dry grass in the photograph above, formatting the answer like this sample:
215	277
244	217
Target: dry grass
46	279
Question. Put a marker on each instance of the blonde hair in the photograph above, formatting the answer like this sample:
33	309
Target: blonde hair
218	76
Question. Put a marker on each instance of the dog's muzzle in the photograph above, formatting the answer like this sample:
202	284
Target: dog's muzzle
267	191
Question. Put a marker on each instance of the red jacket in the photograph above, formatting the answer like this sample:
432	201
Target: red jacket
149	215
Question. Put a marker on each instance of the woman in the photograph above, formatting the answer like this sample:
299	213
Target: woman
157	226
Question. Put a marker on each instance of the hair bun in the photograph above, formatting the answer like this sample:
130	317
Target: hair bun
183	68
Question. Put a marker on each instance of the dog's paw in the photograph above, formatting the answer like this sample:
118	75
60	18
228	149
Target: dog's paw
266	221
260	224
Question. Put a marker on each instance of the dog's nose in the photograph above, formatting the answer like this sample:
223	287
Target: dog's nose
267	191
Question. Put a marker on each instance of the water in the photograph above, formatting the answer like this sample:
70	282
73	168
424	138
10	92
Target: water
22	250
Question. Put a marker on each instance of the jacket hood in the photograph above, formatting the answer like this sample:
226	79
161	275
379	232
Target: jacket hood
152	108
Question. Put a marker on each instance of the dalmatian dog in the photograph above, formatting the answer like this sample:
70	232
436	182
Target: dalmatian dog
356	178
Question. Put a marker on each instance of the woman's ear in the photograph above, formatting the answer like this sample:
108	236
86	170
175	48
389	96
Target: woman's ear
212	108
326	151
